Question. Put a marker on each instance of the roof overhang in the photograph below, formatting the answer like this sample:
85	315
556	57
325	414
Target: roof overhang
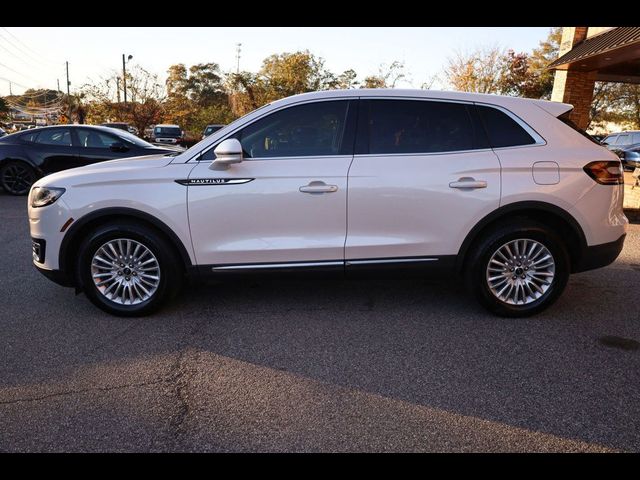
613	54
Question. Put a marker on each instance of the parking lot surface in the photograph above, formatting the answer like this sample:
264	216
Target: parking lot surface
317	365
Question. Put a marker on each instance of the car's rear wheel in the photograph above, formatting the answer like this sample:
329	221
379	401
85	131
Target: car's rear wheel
127	269
518	269
16	178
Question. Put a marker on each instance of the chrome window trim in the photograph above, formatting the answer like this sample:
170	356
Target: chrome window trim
421	154
539	140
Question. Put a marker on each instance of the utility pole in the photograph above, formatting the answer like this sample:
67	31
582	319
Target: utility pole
10	108
68	93
124	79
238	50
58	83
118	88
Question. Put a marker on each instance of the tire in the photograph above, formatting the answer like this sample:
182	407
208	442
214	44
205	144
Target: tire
550	280
17	177
129	298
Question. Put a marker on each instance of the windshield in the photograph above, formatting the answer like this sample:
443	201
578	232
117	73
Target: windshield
210	130
173	131
131	138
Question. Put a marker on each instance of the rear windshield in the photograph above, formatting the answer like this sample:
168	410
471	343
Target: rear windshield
564	118
173	131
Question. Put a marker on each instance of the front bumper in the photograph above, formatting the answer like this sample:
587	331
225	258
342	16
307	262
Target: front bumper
57	276
598	256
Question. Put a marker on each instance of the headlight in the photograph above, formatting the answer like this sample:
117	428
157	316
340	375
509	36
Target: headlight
42	196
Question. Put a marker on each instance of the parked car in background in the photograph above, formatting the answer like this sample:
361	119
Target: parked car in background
209	129
167	133
629	156
457	184
27	156
624	144
598	138
148	133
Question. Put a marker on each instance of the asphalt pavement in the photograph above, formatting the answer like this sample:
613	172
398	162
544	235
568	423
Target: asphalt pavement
317	365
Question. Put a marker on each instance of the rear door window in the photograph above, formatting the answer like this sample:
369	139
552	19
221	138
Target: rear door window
420	126
56	136
95	139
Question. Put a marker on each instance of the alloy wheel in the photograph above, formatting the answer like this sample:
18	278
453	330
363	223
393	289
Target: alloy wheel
125	271
520	271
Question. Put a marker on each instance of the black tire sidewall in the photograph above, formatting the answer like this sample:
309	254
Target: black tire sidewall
4	168
169	271
477	281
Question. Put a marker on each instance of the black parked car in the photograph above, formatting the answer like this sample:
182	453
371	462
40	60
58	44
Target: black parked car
29	155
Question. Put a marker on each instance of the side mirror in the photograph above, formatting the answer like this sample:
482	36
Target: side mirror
118	147
227	152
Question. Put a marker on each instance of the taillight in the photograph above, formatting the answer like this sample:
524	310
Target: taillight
605	172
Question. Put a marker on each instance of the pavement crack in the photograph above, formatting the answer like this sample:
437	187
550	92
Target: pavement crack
180	377
80	391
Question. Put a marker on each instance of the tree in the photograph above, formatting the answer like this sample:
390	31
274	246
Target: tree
346	80
288	74
146	95
519	79
540	59
387	77
205	84
479	71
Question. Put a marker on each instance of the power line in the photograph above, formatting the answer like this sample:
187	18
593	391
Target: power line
30	65
19	73
42	57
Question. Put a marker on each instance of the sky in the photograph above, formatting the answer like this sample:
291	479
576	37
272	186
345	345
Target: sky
33	57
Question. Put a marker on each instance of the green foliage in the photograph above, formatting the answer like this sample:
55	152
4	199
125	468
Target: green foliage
292	73
617	103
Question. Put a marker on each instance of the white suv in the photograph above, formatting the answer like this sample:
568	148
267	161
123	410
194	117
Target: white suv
498	190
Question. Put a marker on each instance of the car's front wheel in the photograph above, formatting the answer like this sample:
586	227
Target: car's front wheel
127	269
17	177
518	269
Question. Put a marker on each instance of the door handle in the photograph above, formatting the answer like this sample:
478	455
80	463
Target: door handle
318	187
468	182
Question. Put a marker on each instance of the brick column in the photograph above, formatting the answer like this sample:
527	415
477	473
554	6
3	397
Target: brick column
571	86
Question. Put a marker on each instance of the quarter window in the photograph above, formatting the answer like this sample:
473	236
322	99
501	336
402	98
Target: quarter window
635	137
503	131
408	126
309	130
